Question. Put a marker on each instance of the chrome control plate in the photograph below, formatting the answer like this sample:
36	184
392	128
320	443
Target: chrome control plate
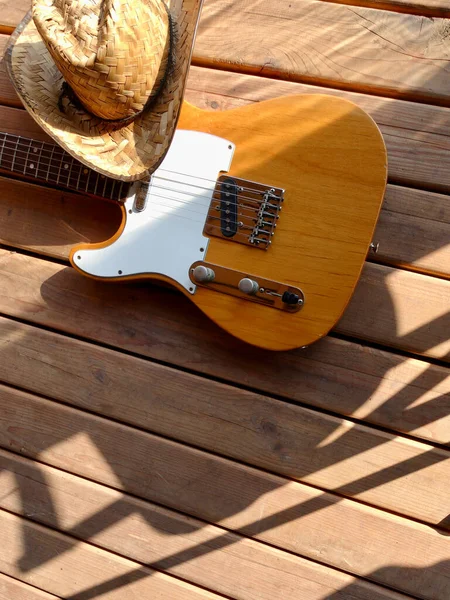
266	291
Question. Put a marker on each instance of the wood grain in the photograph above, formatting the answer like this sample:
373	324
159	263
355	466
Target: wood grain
348	378
215	558
12	589
413	231
79	570
51	221
406	477
343	46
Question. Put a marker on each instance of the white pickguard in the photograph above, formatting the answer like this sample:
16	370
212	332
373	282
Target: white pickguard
167	237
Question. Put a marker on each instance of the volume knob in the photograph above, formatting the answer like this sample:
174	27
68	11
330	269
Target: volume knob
248	286
203	274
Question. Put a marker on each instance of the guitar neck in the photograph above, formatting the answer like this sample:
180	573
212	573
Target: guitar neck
48	162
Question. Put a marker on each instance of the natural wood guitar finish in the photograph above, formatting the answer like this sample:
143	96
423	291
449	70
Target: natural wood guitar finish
330	158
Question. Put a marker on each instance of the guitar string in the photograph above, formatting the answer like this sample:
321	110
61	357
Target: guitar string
210	226
252	190
228	222
60	154
169	198
57	170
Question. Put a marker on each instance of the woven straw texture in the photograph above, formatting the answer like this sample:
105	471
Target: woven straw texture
112	54
127	152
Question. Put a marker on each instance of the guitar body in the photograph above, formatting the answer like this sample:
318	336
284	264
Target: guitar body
330	159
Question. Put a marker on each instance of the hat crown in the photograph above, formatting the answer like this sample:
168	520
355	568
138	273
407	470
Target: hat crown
113	54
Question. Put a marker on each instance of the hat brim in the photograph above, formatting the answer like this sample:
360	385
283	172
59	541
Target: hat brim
122	151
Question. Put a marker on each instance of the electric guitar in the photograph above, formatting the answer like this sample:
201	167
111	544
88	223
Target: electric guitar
261	215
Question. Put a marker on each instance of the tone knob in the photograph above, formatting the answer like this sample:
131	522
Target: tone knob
203	274
248	286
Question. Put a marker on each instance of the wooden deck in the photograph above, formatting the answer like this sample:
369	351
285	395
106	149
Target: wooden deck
145	454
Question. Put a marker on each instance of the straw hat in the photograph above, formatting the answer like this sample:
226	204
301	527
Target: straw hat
106	78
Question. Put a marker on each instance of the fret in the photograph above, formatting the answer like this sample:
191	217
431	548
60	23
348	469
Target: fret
113	190
59	171
70	172
50	162
97	179
43	160
63	171
79	177
108	187
19	164
38	156
14	155
120	191
26	159
2	148
6	159
75	172
104	187
87	181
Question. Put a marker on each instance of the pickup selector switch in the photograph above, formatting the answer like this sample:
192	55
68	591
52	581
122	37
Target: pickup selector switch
248	286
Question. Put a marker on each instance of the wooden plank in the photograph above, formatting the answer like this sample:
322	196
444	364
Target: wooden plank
404	310
403	476
413	231
51	221
12	589
8	94
377	386
66	567
214	558
419	244
343	46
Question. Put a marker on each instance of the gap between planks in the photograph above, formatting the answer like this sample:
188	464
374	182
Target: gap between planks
216	558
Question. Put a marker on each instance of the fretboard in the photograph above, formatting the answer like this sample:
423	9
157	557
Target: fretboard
48	162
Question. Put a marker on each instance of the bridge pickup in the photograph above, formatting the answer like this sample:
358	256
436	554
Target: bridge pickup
244	211
228	207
